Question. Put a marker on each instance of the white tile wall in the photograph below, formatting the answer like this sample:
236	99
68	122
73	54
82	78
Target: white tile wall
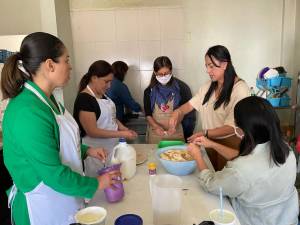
149	24
127	25
171	23
174	50
134	35
128	51
93	26
149	51
133	80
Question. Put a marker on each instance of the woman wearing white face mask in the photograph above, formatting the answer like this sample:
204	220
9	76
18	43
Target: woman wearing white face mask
164	94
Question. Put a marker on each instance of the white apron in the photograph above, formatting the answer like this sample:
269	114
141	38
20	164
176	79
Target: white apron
45	205
107	121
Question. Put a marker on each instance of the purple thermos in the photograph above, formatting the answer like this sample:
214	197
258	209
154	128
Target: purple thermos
116	193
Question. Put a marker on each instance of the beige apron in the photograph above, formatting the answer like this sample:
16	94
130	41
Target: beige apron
162	118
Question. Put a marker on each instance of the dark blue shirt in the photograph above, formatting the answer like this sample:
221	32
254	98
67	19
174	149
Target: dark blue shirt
121	96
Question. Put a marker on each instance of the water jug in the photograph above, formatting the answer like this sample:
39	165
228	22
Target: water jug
115	193
126	155
166	199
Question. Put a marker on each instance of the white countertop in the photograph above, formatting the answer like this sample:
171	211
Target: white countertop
196	203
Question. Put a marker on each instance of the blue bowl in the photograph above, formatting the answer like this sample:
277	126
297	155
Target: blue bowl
176	168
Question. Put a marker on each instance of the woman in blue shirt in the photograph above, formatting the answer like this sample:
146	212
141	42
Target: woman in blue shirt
120	93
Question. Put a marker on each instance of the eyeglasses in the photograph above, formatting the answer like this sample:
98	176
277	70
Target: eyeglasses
162	75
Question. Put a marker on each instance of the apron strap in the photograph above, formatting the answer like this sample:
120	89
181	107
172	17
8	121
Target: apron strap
11	198
29	87
90	90
93	94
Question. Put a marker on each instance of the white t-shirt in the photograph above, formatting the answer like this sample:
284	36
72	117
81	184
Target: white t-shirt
211	118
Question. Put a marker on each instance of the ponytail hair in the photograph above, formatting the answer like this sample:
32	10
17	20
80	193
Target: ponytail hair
99	68
12	78
84	82
35	49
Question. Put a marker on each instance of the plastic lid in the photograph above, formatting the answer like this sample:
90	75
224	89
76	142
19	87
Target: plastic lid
129	219
122	140
151	166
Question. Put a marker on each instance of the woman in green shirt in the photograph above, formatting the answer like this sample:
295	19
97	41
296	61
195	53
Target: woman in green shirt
41	141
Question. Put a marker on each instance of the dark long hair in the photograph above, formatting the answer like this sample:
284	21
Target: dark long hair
160	62
35	49
99	68
119	69
221	54
260	123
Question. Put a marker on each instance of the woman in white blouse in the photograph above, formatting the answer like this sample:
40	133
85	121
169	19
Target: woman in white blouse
260	179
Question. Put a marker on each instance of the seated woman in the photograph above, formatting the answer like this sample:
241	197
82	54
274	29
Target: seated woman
119	92
164	94
260	180
95	114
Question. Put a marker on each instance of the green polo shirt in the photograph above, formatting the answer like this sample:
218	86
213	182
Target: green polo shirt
31	152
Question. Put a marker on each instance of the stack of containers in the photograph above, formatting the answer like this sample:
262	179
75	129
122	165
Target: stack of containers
4	54
276	84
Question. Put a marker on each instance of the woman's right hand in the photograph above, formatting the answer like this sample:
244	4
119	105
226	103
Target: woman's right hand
159	131
108	179
203	141
173	122
192	138
129	134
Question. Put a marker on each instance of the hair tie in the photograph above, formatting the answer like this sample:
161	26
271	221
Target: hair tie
21	67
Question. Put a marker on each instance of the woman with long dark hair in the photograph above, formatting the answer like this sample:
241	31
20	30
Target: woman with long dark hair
41	141
164	94
95	113
260	179
215	102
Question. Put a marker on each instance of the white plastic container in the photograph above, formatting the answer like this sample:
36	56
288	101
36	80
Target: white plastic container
126	155
93	215
166	199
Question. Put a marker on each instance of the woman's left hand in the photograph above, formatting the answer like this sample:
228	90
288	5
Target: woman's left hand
194	151
98	153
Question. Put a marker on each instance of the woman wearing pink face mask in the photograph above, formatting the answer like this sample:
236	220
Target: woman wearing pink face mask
215	102
164	94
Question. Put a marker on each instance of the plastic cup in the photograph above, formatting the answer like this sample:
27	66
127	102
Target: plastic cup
116	193
93	215
228	218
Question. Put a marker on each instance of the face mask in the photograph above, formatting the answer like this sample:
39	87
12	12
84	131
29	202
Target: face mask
164	79
238	132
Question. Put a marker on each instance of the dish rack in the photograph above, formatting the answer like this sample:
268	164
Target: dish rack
276	89
4	54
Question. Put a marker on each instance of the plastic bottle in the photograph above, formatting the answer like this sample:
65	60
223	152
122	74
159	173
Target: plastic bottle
125	154
252	92
152	174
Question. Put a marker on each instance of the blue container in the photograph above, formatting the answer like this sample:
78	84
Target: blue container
176	168
280	102
129	219
275	82
279	82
